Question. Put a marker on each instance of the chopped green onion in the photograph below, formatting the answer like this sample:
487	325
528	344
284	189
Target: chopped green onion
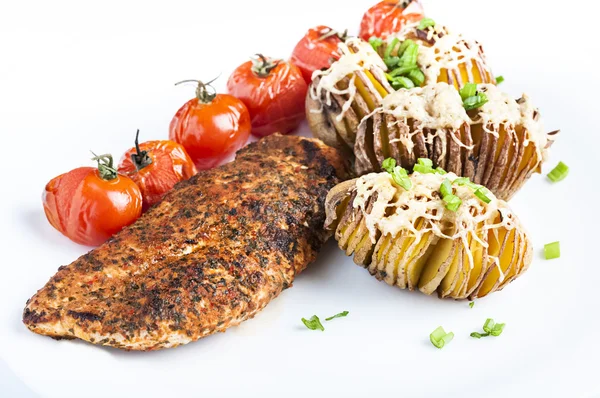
488	325
460	181
453	202
375	42
466	181
401	71
417	77
446	188
409	57
469	90
340	315
400	177
482	193
476	101
552	250
440	171
424	166
313	323
405	44
391	62
399	174
390	47
497	329
388	165
490	328
423	169
499	80
425	162
426	23
440	338
402	82
471	304
478	335
559	172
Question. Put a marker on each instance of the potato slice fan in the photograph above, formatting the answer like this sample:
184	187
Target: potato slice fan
410	239
340	97
499	145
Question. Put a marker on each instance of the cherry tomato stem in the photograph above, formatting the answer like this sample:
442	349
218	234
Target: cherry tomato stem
211	127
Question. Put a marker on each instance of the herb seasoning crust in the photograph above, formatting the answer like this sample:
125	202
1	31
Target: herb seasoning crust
212	254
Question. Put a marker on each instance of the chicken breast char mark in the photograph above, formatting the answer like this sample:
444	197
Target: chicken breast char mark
213	253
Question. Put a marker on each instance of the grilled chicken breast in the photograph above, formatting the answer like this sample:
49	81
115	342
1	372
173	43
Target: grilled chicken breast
212	254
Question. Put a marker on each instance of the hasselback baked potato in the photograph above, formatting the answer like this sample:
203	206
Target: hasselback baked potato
500	144
431	231
339	97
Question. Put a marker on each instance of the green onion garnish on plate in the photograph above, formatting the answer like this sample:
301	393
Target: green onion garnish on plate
559	173
440	338
340	315
490	328
314	323
552	250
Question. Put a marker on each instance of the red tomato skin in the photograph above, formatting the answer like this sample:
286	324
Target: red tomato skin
89	210
386	18
313	53
170	165
211	132
275	102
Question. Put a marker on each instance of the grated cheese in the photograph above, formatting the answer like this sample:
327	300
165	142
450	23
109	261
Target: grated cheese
502	110
436	106
449	51
364	58
395	210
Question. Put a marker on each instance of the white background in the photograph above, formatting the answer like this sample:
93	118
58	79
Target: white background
82	75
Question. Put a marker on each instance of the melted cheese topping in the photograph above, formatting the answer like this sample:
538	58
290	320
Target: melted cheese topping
395	210
361	57
436	106
502	110
448	51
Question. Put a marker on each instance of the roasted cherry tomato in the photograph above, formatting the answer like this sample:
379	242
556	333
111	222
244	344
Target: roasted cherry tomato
317	50
211	127
273	91
156	166
388	17
89	205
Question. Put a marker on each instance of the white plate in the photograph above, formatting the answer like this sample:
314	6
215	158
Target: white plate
75	77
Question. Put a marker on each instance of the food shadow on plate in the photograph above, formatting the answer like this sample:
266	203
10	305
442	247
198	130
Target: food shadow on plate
333	268
34	221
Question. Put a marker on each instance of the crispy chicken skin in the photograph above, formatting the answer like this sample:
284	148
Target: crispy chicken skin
212	254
